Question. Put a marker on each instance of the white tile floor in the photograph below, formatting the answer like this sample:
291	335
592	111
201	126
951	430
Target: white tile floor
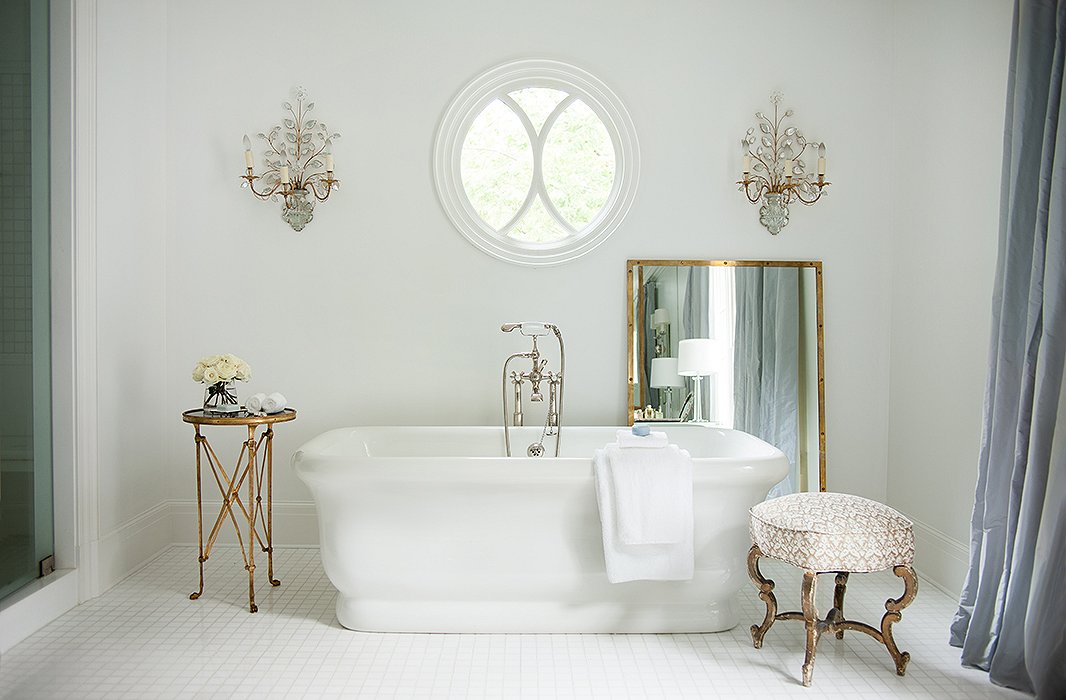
146	639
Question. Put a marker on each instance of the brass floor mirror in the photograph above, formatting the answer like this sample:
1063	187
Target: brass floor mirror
762	368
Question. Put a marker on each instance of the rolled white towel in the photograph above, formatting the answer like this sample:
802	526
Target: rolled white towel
274	403
254	404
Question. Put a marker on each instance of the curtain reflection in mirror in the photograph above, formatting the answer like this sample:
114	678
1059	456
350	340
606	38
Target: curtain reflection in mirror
766	367
651	302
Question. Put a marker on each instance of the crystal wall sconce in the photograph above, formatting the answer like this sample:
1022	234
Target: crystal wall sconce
299	162
775	172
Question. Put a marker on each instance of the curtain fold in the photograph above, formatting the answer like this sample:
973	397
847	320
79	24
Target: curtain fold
648	395
766	362
1012	610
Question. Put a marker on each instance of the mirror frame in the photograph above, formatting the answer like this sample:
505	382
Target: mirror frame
816	265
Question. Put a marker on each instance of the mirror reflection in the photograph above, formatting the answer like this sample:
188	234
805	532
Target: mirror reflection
734	344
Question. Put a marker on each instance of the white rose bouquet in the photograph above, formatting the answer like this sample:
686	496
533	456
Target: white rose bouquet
217	371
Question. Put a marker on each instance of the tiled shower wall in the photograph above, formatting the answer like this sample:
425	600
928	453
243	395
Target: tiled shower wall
15	306
16	345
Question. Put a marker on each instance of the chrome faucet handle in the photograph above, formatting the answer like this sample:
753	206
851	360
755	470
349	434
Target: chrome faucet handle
553	414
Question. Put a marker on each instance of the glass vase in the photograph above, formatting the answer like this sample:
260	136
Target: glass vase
221	397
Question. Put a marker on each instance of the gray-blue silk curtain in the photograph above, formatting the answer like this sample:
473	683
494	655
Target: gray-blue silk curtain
1012	611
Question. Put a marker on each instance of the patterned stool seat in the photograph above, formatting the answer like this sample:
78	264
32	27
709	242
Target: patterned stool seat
832	532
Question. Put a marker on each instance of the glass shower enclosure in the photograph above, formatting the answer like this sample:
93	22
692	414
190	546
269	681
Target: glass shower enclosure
26	518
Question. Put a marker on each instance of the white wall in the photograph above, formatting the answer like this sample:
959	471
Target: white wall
379	312
949	67
130	258
319	314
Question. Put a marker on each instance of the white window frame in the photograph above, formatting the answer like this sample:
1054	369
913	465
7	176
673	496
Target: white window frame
498	83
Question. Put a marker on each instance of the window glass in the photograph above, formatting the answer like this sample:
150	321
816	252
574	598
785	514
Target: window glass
578	164
497	164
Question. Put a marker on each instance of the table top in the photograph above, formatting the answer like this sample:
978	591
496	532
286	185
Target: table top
198	416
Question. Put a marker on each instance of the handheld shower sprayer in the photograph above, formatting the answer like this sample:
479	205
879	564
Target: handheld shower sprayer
529	328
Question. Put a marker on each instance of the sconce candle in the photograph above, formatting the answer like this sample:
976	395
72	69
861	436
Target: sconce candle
305	146
779	174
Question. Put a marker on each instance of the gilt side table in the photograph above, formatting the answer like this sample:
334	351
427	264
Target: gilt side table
255	465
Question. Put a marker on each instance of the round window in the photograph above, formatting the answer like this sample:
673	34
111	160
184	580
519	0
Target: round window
536	162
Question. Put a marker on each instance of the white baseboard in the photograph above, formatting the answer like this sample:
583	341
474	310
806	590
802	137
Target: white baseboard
939	559
133	544
141	539
295	523
35	605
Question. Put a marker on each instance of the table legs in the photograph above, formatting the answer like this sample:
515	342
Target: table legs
256	458
199	518
250	566
268	517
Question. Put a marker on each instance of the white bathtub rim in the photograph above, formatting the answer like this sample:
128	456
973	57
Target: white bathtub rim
318	449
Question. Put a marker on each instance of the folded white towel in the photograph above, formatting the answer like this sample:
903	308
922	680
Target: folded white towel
653	562
626	438
274	403
254	404
652	492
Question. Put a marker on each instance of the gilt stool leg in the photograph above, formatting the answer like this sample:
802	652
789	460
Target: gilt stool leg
810	619
838	597
766	593
893	606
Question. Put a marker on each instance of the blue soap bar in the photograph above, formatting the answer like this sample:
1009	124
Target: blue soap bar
642	430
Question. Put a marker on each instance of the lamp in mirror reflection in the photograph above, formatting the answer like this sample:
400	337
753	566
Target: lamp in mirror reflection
664	376
660	321
696	359
774	166
299	163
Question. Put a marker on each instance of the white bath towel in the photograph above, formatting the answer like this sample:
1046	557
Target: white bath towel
652	492
654	561
254	404
274	403
626	439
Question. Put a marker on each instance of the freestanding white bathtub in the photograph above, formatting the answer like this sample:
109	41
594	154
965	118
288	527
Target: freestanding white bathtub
430	529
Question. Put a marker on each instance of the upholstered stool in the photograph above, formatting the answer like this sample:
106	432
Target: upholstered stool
832	533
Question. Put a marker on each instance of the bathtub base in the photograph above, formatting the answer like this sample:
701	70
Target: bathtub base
513	617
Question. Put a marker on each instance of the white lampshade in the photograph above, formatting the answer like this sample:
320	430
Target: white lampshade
664	373
659	317
696	357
